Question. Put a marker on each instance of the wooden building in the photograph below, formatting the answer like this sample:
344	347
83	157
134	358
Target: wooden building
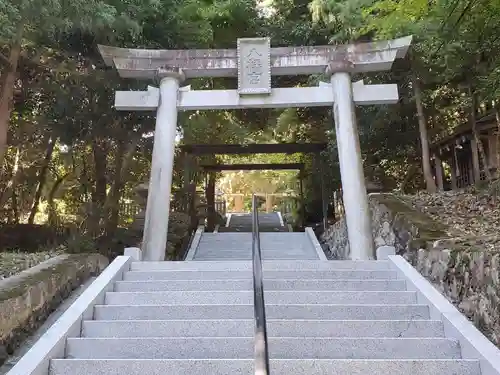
457	159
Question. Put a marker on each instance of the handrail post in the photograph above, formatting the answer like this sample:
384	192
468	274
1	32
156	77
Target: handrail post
261	349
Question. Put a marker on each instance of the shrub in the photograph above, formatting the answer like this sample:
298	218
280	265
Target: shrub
30	238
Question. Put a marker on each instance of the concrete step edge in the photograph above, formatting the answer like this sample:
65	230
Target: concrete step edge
190	311
273	279
267	320
193	305
252	338
444	360
276	328
280	347
267	265
245	297
291	292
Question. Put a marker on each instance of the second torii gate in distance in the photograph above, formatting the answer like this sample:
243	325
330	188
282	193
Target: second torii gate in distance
269	166
254	62
265	148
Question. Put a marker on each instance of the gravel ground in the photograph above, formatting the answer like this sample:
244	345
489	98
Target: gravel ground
12	263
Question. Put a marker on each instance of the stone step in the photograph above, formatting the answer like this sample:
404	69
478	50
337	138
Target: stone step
278	246
246	297
245	228
272	238
265	245
269	285
277	367
290	265
239	247
268	275
246	254
276	328
273	311
263	227
275	246
279	348
265	238
297	242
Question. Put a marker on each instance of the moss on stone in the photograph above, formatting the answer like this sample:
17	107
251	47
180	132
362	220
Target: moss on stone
428	229
58	270
420	243
29	299
391	201
469	244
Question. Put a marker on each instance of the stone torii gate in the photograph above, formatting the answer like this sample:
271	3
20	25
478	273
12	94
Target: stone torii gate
254	62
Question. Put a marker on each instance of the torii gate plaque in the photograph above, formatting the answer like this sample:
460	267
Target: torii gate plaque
254	62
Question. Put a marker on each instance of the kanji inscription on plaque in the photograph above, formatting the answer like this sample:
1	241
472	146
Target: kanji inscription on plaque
254	66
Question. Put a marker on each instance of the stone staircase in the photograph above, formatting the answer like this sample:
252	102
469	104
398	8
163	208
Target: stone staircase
242	222
238	246
324	317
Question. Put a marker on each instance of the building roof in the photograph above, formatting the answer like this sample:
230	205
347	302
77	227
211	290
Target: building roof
485	122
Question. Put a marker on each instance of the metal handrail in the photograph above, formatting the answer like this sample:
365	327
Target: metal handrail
261	350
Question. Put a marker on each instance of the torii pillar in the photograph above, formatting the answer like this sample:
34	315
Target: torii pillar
357	211
160	181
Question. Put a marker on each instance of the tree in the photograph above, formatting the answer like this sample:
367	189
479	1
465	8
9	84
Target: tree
455	42
28	26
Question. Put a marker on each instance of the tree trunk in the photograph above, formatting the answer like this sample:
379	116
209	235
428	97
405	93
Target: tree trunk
84	177
193	205
112	208
9	188
5	189
497	115
210	195
424	139
7	90
123	157
42	178
50	200
475	133
15	207
410	173
99	192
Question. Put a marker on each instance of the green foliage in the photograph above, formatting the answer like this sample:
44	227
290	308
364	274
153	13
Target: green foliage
267	181
80	243
41	20
64	94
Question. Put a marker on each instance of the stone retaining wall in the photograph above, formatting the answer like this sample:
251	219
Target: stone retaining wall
28	298
465	270
468	277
